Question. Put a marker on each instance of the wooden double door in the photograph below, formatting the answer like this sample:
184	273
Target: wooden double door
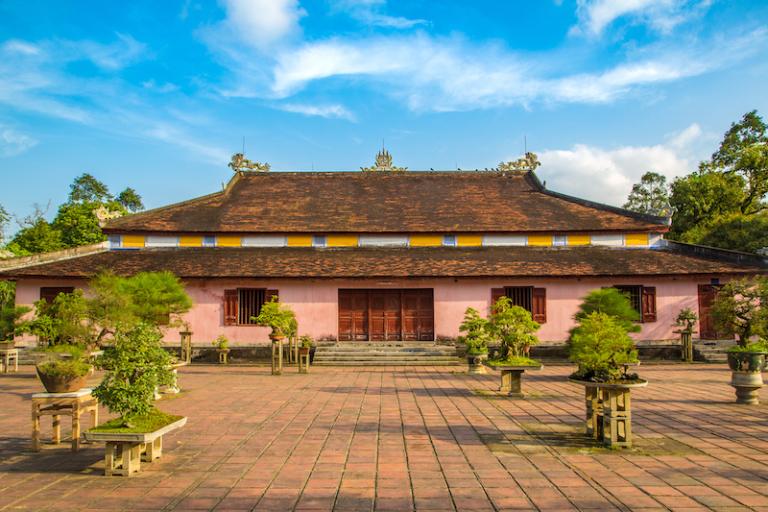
386	315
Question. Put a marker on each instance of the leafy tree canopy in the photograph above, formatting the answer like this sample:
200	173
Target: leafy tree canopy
4	219
77	221
739	309
600	346
650	196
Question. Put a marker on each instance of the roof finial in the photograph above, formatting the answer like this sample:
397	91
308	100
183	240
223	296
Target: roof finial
241	164
383	162
527	163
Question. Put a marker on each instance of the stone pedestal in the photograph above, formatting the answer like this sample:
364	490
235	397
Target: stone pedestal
303	359
277	356
512	379
223	353
687	341
73	404
8	356
186	347
747	386
609	412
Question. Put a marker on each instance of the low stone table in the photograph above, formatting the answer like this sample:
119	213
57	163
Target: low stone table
8	355
512	378
74	404
124	452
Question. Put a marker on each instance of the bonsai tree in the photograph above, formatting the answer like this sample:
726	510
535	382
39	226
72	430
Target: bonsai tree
601	348
221	343
476	329
685	320
10	314
277	317
306	341
135	366
739	309
515	330
611	302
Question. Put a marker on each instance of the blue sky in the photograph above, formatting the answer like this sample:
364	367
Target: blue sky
158	95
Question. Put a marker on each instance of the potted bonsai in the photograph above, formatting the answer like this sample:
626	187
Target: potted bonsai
222	348
739	310
475	339
603	352
305	346
685	321
282	322
514	329
136	365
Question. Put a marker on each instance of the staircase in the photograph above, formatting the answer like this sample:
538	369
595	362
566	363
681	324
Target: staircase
712	351
391	353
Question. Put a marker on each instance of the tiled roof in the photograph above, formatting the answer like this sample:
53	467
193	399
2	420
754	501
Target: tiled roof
380	202
389	262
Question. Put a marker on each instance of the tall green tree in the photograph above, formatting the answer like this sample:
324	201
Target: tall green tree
35	236
87	189
650	195
4	219
130	200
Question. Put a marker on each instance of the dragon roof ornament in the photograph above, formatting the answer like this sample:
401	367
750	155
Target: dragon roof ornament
527	163
383	163
241	164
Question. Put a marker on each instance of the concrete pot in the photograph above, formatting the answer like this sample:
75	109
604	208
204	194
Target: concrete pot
475	363
747	386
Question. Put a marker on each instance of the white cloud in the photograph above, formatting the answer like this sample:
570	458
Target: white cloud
370	12
661	15
607	175
14	143
262	23
117	55
327	111
442	74
161	88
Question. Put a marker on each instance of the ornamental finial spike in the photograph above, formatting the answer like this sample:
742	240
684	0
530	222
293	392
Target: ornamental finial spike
241	164
527	163
383	162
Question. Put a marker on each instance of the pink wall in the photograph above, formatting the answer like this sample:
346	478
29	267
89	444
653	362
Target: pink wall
316	308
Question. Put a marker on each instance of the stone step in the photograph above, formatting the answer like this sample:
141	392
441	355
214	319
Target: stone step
385	362
397	353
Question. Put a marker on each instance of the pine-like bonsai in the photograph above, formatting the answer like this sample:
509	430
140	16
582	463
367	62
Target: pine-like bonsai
476	329
602	349
739	309
612	302
277	317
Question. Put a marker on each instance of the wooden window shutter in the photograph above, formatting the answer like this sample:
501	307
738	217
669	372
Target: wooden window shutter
539	302
269	294
496	294
231	307
649	304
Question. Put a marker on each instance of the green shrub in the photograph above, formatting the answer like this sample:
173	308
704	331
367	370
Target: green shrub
221	342
612	302
136	365
739	309
600	346
65	368
306	341
277	317
686	319
476	329
513	327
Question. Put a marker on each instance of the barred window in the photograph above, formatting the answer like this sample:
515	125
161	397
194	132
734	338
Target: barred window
250	301
521	296
634	293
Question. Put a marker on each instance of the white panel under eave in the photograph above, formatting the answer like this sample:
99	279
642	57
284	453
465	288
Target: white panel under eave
655	240
161	241
383	240
615	240
505	240
264	241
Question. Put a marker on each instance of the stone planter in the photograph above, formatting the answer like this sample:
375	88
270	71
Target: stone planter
746	376
609	411
124	452
475	363
61	384
512	378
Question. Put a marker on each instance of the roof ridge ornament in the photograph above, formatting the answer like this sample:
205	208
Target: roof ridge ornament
527	163
241	164
383	162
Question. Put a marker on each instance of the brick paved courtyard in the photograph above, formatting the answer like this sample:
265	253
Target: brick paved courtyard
404	439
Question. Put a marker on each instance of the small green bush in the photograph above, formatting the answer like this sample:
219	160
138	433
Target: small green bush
135	366
600	346
612	302
739	309
513	327
277	317
686	319
65	368
476	329
306	341
221	342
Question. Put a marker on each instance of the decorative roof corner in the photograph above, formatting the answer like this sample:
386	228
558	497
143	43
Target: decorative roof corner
528	163
241	164
383	163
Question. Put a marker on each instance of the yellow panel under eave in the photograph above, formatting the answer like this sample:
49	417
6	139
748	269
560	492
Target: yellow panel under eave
580	239
469	240
191	241
341	241
228	241
133	240
425	240
300	241
636	239
542	240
